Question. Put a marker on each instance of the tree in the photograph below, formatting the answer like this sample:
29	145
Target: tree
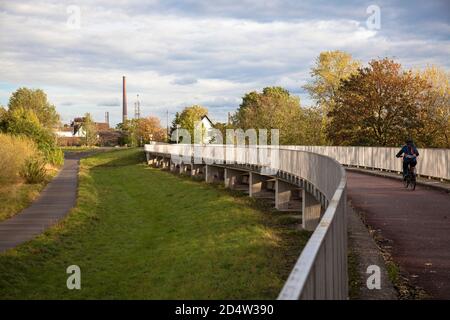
149	129
435	111
21	121
90	130
331	67
274	108
175	123
3	115
310	128
188	117
35	100
377	106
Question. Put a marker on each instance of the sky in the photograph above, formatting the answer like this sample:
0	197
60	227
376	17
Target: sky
176	53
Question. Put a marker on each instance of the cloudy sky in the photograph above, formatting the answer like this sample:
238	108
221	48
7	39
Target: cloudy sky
177	53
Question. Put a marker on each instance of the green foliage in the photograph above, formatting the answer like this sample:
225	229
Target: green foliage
187	119
129	136
274	108
378	106
14	150
330	69
434	112
23	121
54	155
310	130
34	170
90	130
35	100
3	114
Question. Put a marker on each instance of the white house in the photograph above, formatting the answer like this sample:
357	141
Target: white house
207	126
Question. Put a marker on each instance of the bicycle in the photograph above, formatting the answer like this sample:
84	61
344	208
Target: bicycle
410	178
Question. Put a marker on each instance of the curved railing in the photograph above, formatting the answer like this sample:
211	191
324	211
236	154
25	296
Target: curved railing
434	163
321	270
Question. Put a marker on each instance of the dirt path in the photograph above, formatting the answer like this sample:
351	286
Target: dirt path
54	203
415	223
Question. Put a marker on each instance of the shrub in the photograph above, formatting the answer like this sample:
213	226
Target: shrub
33	170
14	150
25	122
53	155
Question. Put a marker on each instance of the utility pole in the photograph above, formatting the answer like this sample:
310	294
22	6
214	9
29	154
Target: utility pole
167	123
124	100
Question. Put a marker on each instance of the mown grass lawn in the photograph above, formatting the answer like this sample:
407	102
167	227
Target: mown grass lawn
141	233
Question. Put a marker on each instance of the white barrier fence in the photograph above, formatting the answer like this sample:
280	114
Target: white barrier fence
433	163
321	270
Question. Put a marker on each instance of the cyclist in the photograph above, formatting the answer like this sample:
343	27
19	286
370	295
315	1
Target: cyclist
410	153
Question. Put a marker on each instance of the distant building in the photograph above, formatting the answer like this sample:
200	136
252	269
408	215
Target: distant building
71	135
207	125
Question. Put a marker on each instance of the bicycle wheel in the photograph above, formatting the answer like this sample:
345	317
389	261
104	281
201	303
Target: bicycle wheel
406	182
413	183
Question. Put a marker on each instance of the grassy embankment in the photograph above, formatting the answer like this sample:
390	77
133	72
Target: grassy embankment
138	232
15	193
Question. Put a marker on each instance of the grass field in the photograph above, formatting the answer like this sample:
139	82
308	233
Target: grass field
17	195
141	233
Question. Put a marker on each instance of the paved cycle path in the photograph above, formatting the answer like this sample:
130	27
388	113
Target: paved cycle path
415	223
55	201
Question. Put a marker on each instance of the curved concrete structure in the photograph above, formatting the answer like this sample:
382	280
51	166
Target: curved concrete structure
321	270
433	163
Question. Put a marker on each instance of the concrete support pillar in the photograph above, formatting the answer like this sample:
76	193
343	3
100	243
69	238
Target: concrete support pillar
311	211
151	159
197	170
285	195
165	163
255	184
213	173
183	168
172	166
158	161
235	178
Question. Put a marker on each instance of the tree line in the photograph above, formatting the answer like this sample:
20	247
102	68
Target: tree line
379	104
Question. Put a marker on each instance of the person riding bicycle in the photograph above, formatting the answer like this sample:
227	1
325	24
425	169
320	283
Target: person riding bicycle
410	153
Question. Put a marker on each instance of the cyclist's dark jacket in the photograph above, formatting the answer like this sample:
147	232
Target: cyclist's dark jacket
408	150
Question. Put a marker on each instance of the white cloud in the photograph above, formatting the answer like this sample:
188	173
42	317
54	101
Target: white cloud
172	59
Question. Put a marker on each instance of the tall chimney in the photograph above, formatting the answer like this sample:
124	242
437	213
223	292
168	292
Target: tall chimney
107	117
124	100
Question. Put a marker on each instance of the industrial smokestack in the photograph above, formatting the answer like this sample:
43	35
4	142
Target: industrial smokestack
124	100
107	118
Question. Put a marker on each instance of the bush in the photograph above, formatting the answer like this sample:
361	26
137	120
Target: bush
33	170
14	150
25	122
53	155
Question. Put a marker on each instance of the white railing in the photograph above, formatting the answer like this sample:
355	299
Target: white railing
321	270
433	163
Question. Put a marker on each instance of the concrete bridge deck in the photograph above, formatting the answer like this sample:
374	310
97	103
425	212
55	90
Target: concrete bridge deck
415	226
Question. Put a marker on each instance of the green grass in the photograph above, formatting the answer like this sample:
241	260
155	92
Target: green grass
16	196
78	149
141	233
